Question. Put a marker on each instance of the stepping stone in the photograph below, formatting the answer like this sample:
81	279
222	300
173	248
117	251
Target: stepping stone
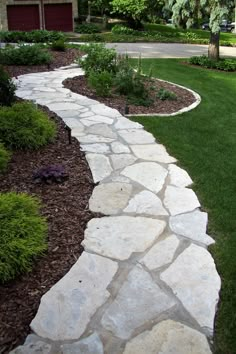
33	345
178	176
192	225
101	109
161	253
102	129
89	345
145	203
119	148
63	106
66	309
74	123
136	136
86	114
110	198
124	123
148	174
101	148
169	337
92	138
153	152
180	200
95	119
122	160
120	236
99	166
195	281
138	301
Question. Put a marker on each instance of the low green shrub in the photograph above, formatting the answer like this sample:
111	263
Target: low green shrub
24	55
7	88
25	127
121	29
35	36
222	64
99	58
59	45
164	94
4	157
87	28
22	234
101	82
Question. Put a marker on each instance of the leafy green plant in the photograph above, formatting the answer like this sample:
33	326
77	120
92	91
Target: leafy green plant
121	29
24	55
22	234
88	28
25	127
222	64
123	80
101	82
59	45
164	94
35	36
7	88
4	157
99	58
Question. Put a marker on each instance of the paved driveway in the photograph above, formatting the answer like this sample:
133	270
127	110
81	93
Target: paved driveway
167	50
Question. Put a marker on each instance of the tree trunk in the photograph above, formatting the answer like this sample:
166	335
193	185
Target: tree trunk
214	46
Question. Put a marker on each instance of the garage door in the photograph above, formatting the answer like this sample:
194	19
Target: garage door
23	17
58	17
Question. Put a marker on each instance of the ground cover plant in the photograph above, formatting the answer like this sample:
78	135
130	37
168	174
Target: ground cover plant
4	158
23	126
221	64
22	236
203	141
35	36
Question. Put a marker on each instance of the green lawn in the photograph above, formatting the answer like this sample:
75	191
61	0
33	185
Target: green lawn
204	142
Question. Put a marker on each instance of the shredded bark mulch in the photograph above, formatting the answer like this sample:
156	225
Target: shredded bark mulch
66	208
185	98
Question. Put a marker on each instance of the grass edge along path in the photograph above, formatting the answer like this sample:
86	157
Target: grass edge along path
204	142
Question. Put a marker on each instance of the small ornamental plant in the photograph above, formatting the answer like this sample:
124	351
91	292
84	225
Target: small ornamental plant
51	174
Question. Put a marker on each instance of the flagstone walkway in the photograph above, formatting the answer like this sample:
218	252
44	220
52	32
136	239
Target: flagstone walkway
145	282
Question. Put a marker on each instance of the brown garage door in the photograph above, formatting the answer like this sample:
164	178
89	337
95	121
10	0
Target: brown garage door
23	17
58	17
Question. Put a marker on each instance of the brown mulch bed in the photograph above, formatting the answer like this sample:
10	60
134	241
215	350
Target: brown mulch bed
59	59
66	208
79	85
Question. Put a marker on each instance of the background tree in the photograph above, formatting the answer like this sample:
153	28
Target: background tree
132	10
185	12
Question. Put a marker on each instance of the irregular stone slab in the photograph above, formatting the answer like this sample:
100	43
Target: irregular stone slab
179	177
119	178
161	253
124	123
136	136
96	119
138	301
118	237
169	337
192	225
66	309
33	345
148	174
195	281
102	129
110	198
122	160
63	106
180	200
92	138
74	123
86	114
69	114
99	165
101	109
89	345
146	203
44	89
153	152
119	148
97	148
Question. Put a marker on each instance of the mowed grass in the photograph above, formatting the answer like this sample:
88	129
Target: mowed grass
201	34
204	142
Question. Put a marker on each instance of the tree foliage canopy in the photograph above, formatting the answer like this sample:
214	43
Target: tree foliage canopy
130	8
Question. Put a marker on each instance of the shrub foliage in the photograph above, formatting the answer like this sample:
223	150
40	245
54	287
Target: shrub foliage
101	82
25	127
22	234
7	88
222	64
4	157
35	36
24	55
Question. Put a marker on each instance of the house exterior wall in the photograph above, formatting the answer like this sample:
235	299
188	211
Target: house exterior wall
4	3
